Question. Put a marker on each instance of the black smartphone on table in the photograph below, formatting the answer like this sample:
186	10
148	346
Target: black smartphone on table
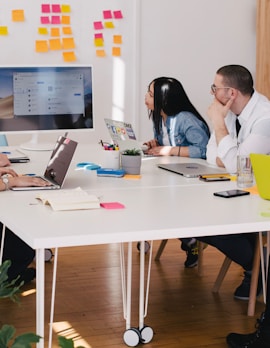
231	193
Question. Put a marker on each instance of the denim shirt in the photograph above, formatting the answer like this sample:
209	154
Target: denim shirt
185	129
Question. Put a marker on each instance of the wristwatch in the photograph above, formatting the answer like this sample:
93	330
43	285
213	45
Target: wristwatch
5	181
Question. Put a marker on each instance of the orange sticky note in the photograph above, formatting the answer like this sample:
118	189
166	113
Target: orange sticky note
100	53
65	20
117	39
109	25
55	44
55	32
18	15
3	30
67	30
116	51
68	43
42	46
69	56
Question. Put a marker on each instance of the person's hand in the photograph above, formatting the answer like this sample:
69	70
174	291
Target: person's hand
151	143
160	151
25	181
8	171
4	161
218	111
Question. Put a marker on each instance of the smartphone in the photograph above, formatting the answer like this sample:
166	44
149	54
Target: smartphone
231	193
210	178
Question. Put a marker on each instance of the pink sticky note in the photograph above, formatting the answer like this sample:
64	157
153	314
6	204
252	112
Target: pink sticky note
45	20
45	8
118	14
112	205
56	20
107	14
56	8
98	25
99	36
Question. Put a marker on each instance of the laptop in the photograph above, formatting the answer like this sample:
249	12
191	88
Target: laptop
261	168
57	166
123	135
192	170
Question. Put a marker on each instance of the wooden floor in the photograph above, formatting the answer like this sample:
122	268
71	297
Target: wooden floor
183	311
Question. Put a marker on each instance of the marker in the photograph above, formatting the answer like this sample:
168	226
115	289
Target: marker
30	174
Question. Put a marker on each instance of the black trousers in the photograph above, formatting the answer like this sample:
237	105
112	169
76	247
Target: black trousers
17	251
267	307
238	247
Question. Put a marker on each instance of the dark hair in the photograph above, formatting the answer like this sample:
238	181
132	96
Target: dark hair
171	98
237	76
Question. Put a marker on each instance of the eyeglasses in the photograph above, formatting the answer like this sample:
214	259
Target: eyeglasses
214	88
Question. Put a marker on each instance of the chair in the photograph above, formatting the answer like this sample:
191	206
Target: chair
258	263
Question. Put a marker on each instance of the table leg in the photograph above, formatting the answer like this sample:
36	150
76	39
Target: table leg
40	295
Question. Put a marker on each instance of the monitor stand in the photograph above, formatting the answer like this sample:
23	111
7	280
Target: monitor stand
35	145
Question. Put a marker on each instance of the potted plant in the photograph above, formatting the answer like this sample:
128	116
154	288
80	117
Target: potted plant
131	160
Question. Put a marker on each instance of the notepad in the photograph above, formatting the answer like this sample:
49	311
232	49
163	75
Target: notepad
76	199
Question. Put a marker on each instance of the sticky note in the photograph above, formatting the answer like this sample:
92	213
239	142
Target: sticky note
65	8
100	53
56	20
55	32
43	31
112	205
99	42
65	20
18	15
98	25
42	46
45	8
117	14
56	8
98	36
45	20
132	176
3	30
55	44
109	25
69	56
67	30
107	14
117	39
116	51
68	43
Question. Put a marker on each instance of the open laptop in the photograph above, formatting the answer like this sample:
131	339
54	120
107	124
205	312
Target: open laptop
57	166
261	168
123	135
191	170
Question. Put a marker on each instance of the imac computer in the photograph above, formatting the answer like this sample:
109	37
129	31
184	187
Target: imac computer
45	98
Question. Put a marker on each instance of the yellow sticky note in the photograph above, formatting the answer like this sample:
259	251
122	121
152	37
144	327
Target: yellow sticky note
99	42
55	32
55	44
68	43
65	8
65	20
116	51
43	31
18	15
42	46
132	176
100	53
3	30
109	25
69	56
117	39
67	30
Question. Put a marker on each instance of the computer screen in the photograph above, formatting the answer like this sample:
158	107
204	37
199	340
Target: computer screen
45	98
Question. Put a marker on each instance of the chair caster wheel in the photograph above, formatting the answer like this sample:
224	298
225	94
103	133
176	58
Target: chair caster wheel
146	246
48	255
147	334
132	337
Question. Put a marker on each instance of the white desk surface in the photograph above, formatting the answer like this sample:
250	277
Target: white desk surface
160	205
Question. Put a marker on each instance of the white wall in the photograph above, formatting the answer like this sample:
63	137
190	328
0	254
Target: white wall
186	39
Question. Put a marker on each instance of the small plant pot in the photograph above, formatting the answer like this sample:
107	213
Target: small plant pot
131	164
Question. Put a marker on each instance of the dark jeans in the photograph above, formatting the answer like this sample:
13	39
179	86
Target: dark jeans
17	251
238	247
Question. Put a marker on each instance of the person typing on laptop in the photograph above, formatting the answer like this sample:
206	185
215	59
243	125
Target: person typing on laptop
15	250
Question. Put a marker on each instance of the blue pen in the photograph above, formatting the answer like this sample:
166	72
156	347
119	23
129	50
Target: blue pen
6	152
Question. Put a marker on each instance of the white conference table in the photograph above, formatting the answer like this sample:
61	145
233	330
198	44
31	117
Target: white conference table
168	206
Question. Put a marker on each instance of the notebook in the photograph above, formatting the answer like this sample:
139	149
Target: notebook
261	168
123	135
57	167
191	170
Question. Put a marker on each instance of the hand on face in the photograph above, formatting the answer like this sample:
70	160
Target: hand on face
217	111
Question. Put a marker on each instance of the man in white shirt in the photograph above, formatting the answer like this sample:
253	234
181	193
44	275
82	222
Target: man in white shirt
235	98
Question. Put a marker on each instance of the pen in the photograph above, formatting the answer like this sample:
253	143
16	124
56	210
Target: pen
6	152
